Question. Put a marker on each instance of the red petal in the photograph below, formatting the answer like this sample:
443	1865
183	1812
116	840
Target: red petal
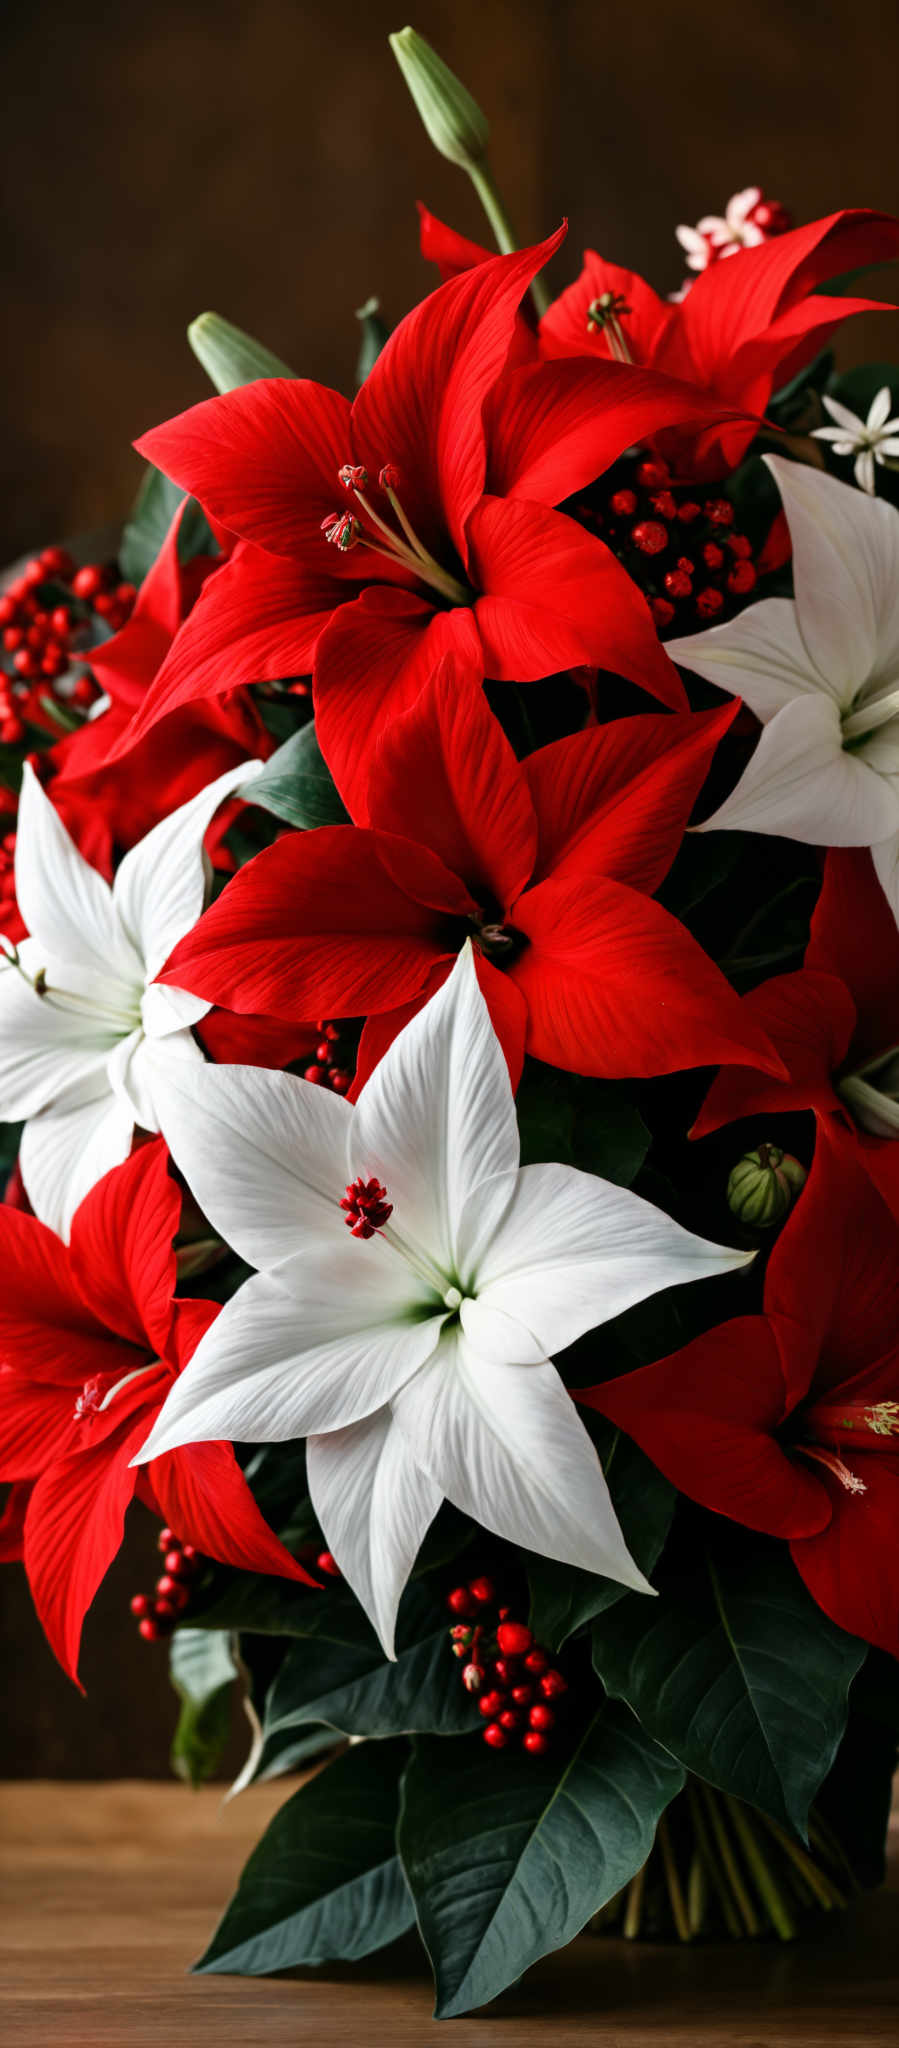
452	253
809	1018
852	1567
420	406
12	1523
445	775
121	1250
263	460
370	665
834	1272
203	1494
36	1421
73	1529
708	1417
616	799
737	301
854	935
505	1003
565	329
320	925
615	986
169	764
47	1331
125	665
235	1041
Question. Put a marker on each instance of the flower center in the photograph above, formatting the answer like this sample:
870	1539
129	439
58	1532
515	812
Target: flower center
366	1206
122	1020
345	530
858	725
93	1401
604	316
872	1094
498	942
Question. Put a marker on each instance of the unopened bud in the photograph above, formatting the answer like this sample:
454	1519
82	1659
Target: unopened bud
473	1677
764	1185
452	118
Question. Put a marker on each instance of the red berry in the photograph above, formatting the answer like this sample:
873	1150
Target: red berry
61	621
542	1717
510	1720
535	1743
653	473
150	1630
536	1662
83	692
739	545
327	1030
125	595
664	504
491	1704
712	555
460	1601
166	1539
339	1080
709	602
317	1074
678	583
174	1563
522	1695
57	562
662	612
650	536
12	732
105	605
323	1053
506	1670
8	609
482	1590
623	504
742	579
164	1610
13	637
688	511
496	1736
552	1685
87	581
328	1564
167	1586
473	1677
140	1604
720	511
33	573
513	1638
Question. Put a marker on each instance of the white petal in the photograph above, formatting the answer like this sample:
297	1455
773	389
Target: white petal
506	1445
437	1116
46	1053
802	784
375	1505
140	1065
265	1155
845	574
849	421
886	867
498	1334
864	471
64	1152
317	1345
164	1010
879	409
160	888
66	905
575	1250
759	656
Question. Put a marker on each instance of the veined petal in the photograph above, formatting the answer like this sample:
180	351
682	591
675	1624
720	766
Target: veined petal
506	1445
66	905
375	1505
846	575
801	783
139	1064
203	1494
572	1251
48	1054
122	1255
760	656
64	1151
437	1117
320	1343
160	887
73	1528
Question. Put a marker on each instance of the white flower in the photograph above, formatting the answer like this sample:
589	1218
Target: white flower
822	674
83	1032
723	234
415	1360
871	441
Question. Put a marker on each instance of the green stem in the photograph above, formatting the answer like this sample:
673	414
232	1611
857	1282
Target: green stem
697	1892
634	1912
766	1884
822	1887
717	1876
503	233
744	1903
675	1893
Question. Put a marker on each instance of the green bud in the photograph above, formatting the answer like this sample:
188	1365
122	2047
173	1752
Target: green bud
452	118
230	357
763	1186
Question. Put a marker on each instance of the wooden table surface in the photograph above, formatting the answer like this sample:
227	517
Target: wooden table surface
108	1891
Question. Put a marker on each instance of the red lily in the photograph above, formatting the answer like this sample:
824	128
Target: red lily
436	488
745	326
788	1421
549	864
836	1027
91	1338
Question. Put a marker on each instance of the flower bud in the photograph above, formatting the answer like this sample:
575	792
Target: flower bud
763	1186
452	118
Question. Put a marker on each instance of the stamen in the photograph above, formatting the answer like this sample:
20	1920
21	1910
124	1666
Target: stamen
91	1402
345	531
605	315
834	1465
829	1421
342	529
367	1210
353	477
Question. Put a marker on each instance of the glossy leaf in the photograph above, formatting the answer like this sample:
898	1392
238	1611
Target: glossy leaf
296	784
586	1123
203	1670
339	1674
154	509
229	356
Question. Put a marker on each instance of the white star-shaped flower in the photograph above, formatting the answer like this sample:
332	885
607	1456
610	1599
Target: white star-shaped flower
719	234
821	671
83	1030
871	441
414	1356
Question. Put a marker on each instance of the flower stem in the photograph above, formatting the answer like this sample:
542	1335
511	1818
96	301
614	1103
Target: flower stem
672	1879
741	1896
717	1875
766	1884
503	234
822	1887
634	1909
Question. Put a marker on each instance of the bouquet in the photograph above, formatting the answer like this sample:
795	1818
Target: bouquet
449	1056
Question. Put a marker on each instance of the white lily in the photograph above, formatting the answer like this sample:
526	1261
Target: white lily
821	671
415	1360
871	441
84	1031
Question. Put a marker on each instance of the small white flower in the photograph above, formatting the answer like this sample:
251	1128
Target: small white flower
871	441
821	671
83	1030
717	235
414	1358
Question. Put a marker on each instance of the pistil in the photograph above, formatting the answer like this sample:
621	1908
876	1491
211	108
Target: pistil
835	1465
604	316
345	531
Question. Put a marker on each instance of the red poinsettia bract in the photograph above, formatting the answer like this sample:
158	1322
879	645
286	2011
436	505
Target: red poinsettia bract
418	521
91	1338
547	864
788	1422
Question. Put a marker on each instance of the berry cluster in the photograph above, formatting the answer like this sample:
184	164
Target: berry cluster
680	547
510	1672
48	619
158	1612
326	1069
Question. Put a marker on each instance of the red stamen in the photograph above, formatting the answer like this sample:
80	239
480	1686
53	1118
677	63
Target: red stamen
367	1210
353	477
389	477
342	529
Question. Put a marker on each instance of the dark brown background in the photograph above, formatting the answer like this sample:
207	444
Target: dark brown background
263	160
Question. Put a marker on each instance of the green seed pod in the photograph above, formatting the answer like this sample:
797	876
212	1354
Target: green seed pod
763	1186
452	118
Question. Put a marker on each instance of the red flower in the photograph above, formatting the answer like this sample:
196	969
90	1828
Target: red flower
549	865
377	536
836	1027
91	1338
788	1421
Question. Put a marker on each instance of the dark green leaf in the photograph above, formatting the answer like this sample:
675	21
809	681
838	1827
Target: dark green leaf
562	1598
339	1673
737	1672
10	1139
508	1857
296	785
154	509
580	1122
229	356
796	402
374	334
324	1882
203	1670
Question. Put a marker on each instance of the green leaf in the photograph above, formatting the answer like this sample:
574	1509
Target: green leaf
374	334
296	785
339	1673
508	1857
154	509
203	1670
580	1123
737	1672
229	356
324	1883
562	1598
